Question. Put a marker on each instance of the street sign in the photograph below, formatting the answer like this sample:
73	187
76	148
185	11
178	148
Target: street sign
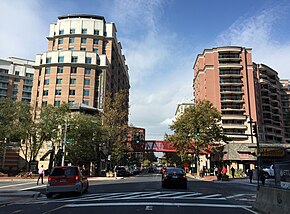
69	142
271	152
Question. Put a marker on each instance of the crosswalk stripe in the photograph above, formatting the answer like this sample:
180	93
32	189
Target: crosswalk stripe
166	195
211	197
187	195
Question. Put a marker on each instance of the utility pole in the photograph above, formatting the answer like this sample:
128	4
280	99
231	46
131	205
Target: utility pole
64	142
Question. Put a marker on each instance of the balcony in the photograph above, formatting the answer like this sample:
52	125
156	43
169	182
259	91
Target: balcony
234	126
230	65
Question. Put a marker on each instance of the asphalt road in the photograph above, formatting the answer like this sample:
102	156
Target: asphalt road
138	194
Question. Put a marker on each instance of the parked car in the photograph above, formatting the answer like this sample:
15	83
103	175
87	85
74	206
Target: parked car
121	171
269	171
174	177
66	179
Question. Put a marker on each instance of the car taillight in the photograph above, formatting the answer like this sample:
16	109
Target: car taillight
77	178
184	176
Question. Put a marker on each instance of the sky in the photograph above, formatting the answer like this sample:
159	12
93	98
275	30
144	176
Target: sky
160	40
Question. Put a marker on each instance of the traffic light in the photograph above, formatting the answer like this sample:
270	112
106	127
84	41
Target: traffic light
137	138
255	130
198	132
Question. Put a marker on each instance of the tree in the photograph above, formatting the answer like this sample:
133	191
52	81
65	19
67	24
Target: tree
115	123
85	137
196	130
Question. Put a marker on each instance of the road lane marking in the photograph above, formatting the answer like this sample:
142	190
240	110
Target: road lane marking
187	195
35	187
155	204
235	196
211	197
149	208
166	195
14	185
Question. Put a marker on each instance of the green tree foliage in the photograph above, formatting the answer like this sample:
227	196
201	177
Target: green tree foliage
85	137
115	123
202	117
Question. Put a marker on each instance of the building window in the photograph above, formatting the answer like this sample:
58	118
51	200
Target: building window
46	82
71	48
31	75
74	59
98	62
87	71
57	103
61	32
15	86
96	32
88	60
87	82
73	70
96	50
44	103
58	92
48	60
73	81
59	48
72	31
45	92
47	70
15	92
60	59
16	80
86	92
86	102
71	102
96	41
59	70
83	49
17	73
71	40
60	41
84	31
72	92
58	81
84	40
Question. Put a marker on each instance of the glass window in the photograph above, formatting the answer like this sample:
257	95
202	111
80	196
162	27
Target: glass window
61	32
96	41
59	70
60	59
83	49
57	103
47	70
71	102
58	81
86	92
73	81
72	92
71	48
87	71
86	102
71	40
15	86
98	61
45	92
74	59
96	50
44	103
96	32
88	60
73	70
84	40
17	73
46	82
72	31
31	75
48	60
16	80
84	31
87	82
58	92
60	41
15	92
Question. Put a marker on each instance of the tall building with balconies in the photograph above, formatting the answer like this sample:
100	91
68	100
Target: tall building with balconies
16	77
84	62
226	77
285	98
271	125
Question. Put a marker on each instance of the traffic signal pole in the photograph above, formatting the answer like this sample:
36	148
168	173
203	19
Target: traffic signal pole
64	143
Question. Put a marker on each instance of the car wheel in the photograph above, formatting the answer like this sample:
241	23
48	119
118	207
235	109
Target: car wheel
266	175
49	195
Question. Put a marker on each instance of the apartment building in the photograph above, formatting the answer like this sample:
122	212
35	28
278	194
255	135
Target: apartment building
16	77
83	63
226	77
285	98
182	106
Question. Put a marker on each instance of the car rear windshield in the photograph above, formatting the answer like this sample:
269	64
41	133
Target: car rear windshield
175	170
64	171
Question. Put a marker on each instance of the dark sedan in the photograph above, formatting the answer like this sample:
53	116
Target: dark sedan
174	177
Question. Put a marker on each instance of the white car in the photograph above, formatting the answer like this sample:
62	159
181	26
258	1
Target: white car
269	171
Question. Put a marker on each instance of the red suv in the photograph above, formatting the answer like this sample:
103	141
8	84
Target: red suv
66	179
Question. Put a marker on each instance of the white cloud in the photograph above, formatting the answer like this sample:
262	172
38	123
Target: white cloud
258	32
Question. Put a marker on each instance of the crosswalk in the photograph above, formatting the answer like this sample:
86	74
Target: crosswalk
146	196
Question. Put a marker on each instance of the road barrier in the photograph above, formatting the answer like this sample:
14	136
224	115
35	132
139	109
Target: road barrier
273	200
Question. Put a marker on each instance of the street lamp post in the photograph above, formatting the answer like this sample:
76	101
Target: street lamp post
64	143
